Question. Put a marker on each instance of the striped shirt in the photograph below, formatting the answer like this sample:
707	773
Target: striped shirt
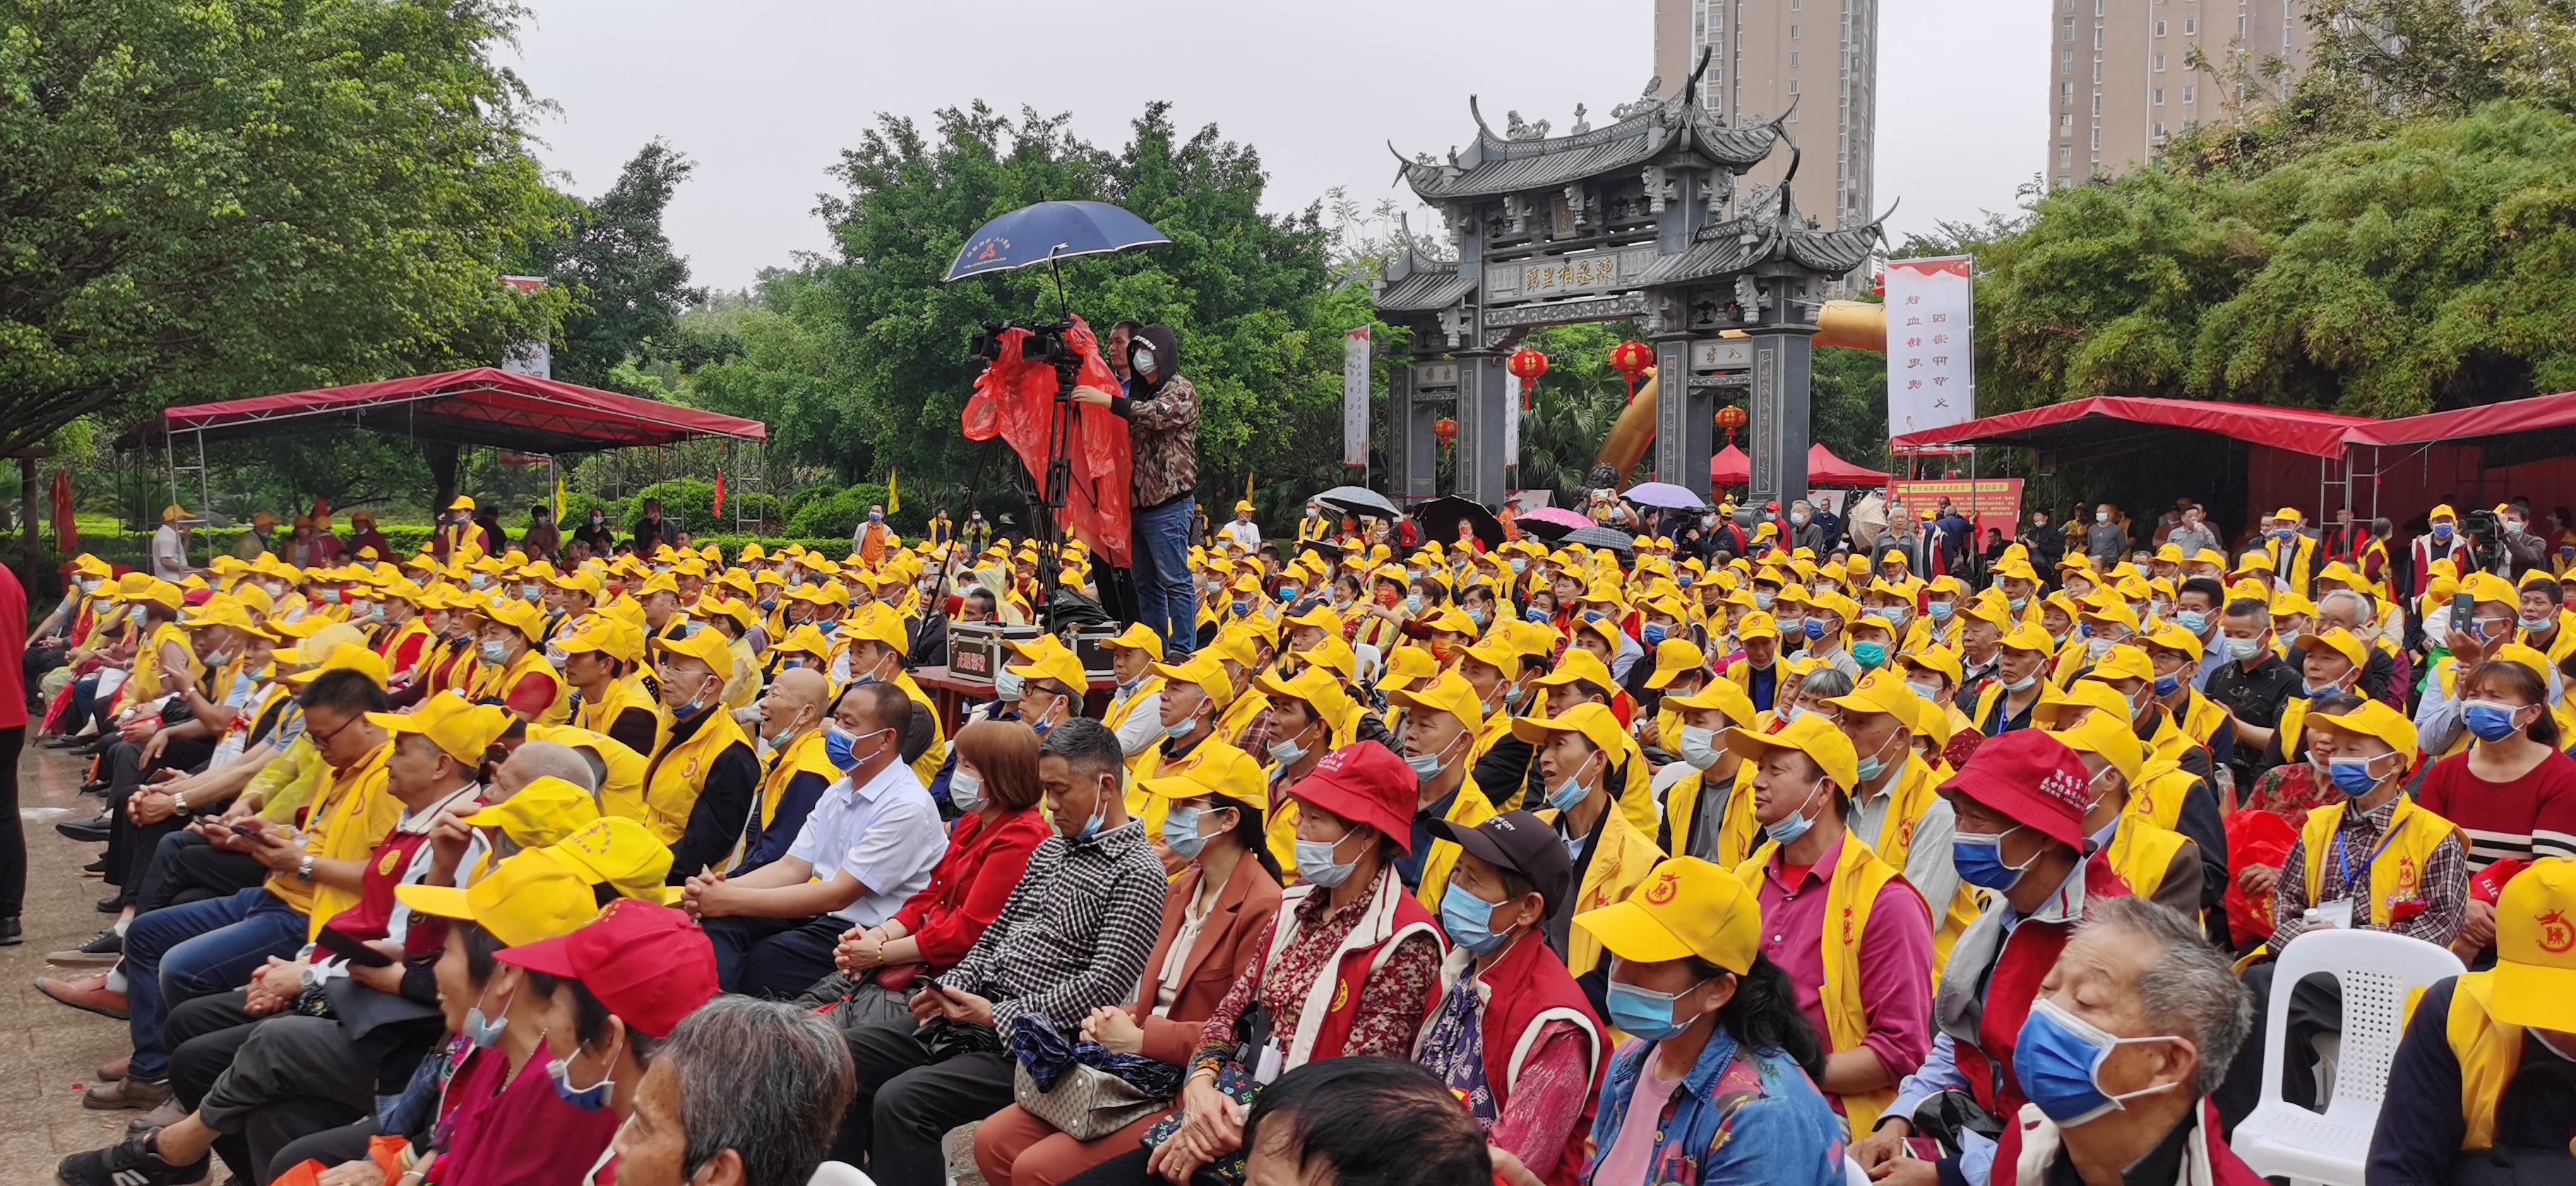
1075	933
2532	816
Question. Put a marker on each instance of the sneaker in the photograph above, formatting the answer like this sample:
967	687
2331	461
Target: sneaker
10	935
91	830
87	993
130	1164
105	949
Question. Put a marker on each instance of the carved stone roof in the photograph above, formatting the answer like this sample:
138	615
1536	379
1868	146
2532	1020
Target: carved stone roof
1770	235
1424	292
1495	165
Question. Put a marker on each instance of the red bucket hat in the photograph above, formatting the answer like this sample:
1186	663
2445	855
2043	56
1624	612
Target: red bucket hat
2033	779
1365	783
648	964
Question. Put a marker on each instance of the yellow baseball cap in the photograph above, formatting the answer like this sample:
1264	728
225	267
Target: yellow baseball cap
1724	695
1685	907
1315	686
2029	637
1405	664
608	635
528	896
2338	640
1580	665
705	646
1674	656
2124	662
542	813
1141	637
1202	669
2082	694
1450	693
2375	719
1757	624
618	852
1596	723
354	656
2104	734
1219	770
2535	925
1812	736
1053	663
449	722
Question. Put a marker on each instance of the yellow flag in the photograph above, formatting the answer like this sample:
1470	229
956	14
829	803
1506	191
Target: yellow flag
1247	485
559	498
894	501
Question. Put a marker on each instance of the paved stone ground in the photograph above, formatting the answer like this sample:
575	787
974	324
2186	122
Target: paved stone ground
48	1052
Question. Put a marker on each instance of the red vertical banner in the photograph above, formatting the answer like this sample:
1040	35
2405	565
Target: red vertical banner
66	527
718	509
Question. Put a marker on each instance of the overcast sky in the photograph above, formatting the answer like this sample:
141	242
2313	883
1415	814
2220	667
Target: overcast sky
764	94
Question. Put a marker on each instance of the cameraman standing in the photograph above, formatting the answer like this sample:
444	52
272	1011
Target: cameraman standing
2523	551
1162	414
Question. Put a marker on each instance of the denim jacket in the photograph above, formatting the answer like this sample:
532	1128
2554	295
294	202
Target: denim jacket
1742	1116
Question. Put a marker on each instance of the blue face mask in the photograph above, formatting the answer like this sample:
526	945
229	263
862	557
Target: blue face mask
1286	593
2352	776
1535	614
1940	611
2058	1057
1181	831
1980	860
1593	615
1008	684
483	1033
2017	604
1762	601
1644	1012
1182	727
1815	628
1654	634
768	604
1789	827
1413	603
1241	607
965	791
2167	685
495	652
1476	614
1869	654
2488	721
1469	920
588	1099
2441	531
2192	620
1315	863
1566	794
840	746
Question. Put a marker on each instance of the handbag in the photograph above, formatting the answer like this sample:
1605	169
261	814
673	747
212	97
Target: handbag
1087	1103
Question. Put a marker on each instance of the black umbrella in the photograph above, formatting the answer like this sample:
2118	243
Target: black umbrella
1440	518
1601	537
1358	500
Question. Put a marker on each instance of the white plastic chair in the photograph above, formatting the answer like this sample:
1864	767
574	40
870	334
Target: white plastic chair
1366	663
1853	1175
834	1173
2377	971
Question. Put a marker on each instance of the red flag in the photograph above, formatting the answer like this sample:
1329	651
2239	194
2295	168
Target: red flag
321	511
66	529
719	507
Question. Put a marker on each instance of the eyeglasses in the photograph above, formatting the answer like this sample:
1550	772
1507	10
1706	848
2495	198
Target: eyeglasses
321	739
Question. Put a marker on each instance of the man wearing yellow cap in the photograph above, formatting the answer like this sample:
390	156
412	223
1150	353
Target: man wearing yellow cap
1195	694
1862	942
599	663
1703	1008
2292	551
2158	863
458	532
1442	720
1136	706
705	761
2481	1077
1894	804
1577	750
513	672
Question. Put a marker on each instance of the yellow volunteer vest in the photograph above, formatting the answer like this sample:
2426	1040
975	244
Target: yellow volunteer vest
1618	867
1914	794
622	694
1850	894
621	788
2397	868
2141	852
1469	809
1238	715
2159	794
675	776
147	682
353	812
1737	833
493	683
2488	1051
926	767
1120	710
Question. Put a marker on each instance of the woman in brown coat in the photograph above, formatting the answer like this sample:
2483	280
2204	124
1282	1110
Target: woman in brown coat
1213	916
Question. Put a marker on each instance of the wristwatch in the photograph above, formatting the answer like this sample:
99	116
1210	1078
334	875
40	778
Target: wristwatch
304	868
179	802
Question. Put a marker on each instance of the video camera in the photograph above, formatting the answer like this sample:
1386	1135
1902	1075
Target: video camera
1046	343
2484	537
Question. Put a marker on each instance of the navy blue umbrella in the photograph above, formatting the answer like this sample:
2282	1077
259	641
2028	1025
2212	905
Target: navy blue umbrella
1051	231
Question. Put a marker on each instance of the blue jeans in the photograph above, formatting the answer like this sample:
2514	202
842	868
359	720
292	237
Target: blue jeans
186	952
1165	600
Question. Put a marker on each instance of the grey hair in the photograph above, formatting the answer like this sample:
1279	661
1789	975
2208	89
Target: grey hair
553	759
1824	683
2189	982
1086	745
765	1079
2361	614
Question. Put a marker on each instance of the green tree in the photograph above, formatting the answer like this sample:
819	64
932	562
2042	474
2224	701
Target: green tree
212	199
627	283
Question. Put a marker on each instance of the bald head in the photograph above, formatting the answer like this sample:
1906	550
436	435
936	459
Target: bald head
794	704
542	759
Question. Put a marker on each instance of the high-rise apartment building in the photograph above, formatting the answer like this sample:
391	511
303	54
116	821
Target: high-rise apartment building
2122	79
1816	61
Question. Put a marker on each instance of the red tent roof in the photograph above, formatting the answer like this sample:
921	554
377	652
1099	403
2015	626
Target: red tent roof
1730	467
2506	434
2108	425
483	406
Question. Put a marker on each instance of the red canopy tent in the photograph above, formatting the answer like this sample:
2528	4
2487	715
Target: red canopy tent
2109	425
483	406
1730	467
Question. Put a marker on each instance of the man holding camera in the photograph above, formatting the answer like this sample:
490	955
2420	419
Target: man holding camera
1162	414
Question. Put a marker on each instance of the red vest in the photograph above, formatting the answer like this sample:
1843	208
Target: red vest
368	920
2225	1168
1530	987
1353	972
2028	953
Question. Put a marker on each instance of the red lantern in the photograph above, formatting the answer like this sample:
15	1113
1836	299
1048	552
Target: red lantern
1527	365
1731	418
1632	358
1445	428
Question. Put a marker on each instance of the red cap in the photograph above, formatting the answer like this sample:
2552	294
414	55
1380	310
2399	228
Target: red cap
647	963
2032	779
1365	783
